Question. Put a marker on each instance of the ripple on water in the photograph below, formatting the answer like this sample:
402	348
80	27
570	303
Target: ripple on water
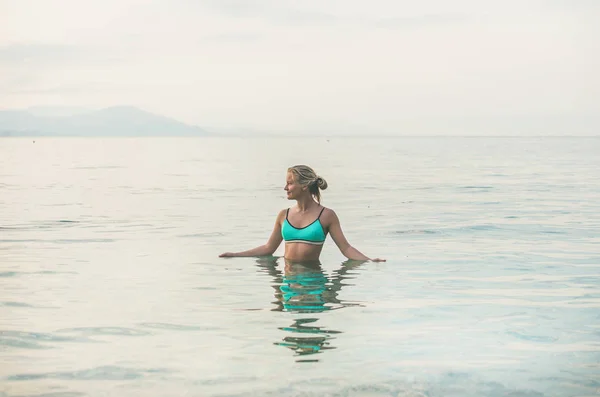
83	240
532	338
98	373
35	340
20	344
121	331
54	394
172	327
17	304
200	235
416	231
445	385
15	274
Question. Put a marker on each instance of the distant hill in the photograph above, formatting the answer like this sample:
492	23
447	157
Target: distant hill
112	121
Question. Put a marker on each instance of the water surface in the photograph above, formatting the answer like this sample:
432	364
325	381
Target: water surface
110	283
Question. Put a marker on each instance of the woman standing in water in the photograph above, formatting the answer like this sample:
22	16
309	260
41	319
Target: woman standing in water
305	226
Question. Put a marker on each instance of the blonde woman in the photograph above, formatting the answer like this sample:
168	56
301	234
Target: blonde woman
305	226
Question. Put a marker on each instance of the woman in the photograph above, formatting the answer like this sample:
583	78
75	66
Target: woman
305	226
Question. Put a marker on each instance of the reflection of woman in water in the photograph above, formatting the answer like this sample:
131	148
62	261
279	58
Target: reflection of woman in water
303	287
305	226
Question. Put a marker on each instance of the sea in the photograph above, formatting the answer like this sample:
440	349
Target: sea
111	282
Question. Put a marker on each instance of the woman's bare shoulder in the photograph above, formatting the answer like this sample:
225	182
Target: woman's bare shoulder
328	215
281	215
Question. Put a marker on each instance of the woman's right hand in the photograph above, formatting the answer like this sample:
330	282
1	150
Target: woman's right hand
227	255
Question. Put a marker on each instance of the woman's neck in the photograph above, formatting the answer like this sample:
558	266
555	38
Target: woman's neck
305	204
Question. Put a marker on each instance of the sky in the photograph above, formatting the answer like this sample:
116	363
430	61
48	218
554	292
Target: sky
390	67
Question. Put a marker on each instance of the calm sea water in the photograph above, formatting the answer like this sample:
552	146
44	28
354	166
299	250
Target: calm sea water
110	284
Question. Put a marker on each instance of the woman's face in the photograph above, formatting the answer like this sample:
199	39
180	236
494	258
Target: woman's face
293	189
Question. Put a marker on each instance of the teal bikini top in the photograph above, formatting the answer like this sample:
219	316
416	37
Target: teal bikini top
311	234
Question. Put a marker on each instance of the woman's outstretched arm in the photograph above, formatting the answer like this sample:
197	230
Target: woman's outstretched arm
335	229
267	249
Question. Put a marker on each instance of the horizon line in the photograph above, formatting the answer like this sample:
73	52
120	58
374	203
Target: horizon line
218	135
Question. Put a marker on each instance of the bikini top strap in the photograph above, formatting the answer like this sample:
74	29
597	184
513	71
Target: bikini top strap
321	213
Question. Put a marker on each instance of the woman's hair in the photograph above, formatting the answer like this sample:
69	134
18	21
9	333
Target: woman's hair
306	176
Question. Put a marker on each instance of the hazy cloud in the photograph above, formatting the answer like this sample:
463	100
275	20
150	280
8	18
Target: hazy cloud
34	52
276	12
294	66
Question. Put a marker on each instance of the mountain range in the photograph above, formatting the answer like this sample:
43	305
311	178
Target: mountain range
111	121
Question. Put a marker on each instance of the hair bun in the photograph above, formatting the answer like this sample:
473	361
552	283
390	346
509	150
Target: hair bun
322	183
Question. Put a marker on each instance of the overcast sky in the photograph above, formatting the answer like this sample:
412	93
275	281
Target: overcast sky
314	66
